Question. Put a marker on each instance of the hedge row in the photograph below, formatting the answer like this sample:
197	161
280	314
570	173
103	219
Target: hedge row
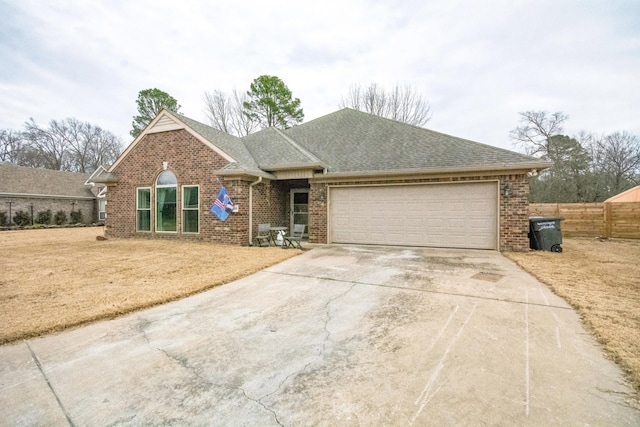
22	218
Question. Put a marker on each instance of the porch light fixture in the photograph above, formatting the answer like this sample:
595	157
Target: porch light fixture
507	190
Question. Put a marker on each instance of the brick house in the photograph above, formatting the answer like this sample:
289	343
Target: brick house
33	190
351	177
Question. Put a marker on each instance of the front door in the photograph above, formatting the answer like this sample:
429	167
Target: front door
300	208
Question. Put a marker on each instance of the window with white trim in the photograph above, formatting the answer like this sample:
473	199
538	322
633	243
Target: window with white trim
166	209
143	209
190	208
102	209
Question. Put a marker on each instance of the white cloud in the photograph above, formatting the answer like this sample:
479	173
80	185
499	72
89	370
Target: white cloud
478	63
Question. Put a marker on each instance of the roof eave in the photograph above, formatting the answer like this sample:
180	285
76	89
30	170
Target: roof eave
524	167
243	173
292	166
105	178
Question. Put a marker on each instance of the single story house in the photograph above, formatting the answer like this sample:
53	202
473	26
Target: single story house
351	177
33	190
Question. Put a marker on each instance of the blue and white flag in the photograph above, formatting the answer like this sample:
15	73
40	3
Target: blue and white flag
223	205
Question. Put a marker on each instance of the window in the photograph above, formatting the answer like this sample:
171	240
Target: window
190	208
166	188
102	209
143	208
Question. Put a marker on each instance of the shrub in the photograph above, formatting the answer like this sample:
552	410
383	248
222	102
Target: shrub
76	216
44	217
22	218
60	217
3	219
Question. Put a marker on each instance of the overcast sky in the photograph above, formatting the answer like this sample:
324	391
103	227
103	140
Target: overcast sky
478	63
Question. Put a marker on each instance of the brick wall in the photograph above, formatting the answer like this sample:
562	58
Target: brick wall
513	211
87	206
514	214
272	202
193	163
269	199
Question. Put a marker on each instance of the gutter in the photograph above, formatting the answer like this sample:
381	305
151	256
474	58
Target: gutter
251	208
528	166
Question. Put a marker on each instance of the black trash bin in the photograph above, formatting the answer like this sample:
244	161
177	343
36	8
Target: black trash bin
545	234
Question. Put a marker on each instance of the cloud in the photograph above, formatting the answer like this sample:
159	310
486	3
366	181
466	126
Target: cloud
478	63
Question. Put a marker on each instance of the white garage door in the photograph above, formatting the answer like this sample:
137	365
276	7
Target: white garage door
438	215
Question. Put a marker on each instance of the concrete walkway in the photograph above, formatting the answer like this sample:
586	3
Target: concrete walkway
338	336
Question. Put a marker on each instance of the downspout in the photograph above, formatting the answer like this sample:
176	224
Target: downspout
251	208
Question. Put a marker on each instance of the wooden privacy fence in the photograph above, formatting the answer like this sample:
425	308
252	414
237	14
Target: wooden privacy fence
619	220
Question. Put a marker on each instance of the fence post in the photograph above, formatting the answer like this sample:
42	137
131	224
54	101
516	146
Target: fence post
608	220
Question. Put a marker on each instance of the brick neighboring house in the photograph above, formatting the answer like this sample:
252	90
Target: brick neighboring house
352	177
37	189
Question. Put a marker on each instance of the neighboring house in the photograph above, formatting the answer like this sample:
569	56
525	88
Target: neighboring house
350	176
100	191
630	196
35	189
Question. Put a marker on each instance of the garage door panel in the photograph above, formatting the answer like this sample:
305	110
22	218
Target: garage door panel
443	215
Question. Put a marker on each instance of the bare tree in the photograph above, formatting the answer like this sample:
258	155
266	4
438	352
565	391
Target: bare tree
375	100
91	146
69	145
47	147
536	130
11	145
218	110
401	103
225	112
618	157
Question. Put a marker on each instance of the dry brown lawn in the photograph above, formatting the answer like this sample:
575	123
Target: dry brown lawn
54	279
601	280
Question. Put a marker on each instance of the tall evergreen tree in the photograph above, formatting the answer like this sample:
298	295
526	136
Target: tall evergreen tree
271	103
150	102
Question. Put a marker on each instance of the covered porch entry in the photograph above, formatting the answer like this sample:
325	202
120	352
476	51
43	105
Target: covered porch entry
280	204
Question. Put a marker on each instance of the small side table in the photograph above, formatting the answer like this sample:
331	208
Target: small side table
273	231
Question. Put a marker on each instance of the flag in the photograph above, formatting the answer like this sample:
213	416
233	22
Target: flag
223	205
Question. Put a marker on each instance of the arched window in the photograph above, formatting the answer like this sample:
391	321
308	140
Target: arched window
166	191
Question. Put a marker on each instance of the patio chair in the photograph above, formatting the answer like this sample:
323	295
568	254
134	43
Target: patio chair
264	234
295	237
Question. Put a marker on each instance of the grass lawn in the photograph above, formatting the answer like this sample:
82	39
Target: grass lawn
54	279
601	280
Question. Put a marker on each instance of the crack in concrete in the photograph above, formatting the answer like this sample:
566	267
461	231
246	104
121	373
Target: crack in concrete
142	328
183	362
37	362
327	318
261	403
122	421
429	291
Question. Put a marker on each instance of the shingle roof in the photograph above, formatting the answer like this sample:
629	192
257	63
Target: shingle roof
20	180
350	142
353	141
273	150
230	144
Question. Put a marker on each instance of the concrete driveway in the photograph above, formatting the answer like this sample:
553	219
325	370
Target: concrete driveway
341	335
